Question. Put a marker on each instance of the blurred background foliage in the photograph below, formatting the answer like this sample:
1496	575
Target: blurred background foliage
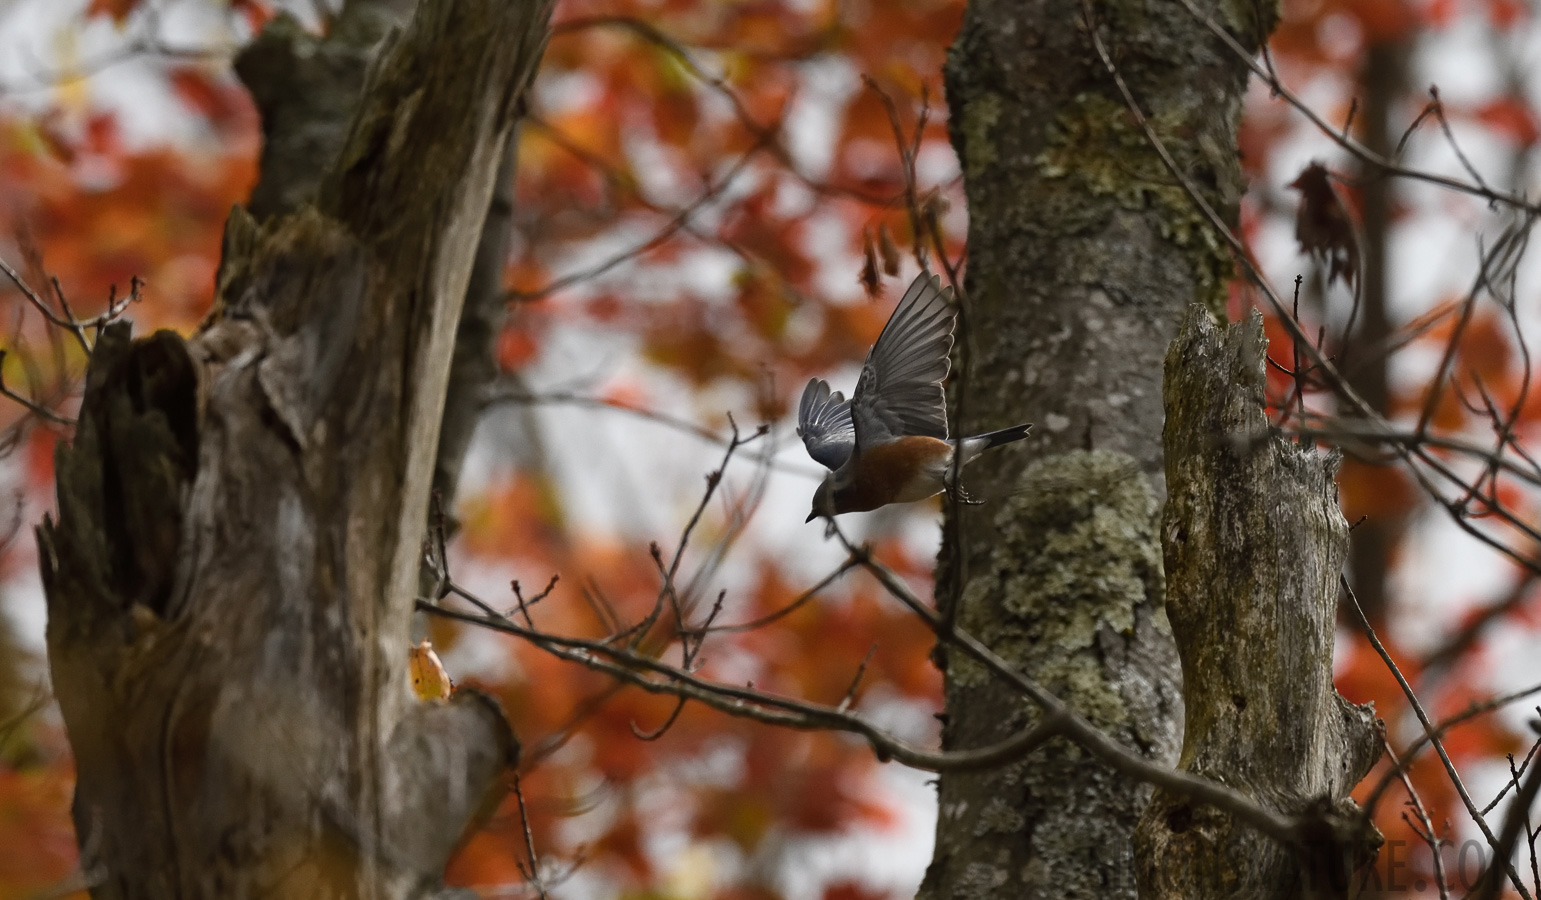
700	185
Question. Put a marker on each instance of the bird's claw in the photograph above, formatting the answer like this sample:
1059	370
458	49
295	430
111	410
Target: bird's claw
959	495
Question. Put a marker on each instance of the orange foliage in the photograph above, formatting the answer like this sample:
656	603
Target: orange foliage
37	853
1511	118
850	890
118	10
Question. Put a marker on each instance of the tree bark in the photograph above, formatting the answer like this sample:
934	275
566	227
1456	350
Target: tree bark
306	88
1083	252
231	577
1254	545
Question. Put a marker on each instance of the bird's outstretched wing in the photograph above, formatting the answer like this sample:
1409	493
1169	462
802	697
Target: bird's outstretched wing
824	424
900	391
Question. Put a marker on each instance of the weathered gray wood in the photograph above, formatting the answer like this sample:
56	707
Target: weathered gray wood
1254	545
1083	252
475	368
231	575
306	87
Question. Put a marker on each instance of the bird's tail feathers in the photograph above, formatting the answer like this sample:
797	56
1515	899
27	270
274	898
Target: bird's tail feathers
995	438
971	447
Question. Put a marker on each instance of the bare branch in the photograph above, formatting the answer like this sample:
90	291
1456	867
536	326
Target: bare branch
508	392
1342	139
634	668
1502	857
1427	831
1503	849
533	875
147	43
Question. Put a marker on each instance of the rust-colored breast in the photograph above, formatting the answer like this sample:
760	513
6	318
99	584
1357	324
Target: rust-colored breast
896	472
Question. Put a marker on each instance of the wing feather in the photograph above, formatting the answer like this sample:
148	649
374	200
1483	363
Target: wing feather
900	390
824	423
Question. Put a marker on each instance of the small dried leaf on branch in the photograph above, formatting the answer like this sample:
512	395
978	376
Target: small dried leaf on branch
1323	226
889	251
869	265
429	680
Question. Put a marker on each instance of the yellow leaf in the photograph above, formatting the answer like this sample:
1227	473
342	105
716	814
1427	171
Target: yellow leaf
429	680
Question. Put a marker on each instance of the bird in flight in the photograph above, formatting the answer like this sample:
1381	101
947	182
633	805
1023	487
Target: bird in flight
888	443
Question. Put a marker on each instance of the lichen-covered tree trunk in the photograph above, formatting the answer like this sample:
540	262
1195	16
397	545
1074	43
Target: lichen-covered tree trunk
1083	252
232	572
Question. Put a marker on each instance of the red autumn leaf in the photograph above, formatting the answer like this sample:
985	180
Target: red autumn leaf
41	448
1365	489
869	266
103	135
624	844
765	305
37	841
624	395
1365	678
1511	118
676	115
889	251
50	128
1441	13
1481	737
687	338
605	309
218	98
1506	14
853	890
517	347
117	10
196	89
256	13
1486	350
487	857
758	226
1383	21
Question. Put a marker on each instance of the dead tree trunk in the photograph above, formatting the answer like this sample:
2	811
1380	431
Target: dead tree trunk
306	88
1254	544
231	576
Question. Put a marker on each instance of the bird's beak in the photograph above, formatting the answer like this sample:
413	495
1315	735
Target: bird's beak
811	517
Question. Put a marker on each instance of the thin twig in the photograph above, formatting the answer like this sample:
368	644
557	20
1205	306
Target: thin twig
850	563
32	406
1344	390
1427	833
1490	885
1439	747
1354	148
634	668
511	393
861	670
533	875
